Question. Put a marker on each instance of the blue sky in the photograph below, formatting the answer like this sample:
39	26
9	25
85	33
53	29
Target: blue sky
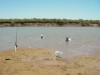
69	9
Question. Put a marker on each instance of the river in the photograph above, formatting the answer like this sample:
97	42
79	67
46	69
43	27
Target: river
85	40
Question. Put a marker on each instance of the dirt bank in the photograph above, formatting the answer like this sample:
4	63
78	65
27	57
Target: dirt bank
37	61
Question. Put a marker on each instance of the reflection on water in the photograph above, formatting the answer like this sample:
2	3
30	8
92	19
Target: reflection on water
84	39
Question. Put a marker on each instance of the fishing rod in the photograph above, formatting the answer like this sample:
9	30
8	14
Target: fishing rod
16	40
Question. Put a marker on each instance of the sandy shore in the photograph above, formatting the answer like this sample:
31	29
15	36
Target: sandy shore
37	61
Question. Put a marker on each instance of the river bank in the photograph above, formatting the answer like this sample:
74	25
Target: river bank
47	25
48	22
37	61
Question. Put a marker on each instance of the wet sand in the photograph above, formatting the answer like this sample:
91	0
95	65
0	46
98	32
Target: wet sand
37	61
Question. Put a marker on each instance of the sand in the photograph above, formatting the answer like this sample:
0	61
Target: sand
37	61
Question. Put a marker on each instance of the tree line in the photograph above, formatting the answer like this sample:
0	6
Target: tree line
48	22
